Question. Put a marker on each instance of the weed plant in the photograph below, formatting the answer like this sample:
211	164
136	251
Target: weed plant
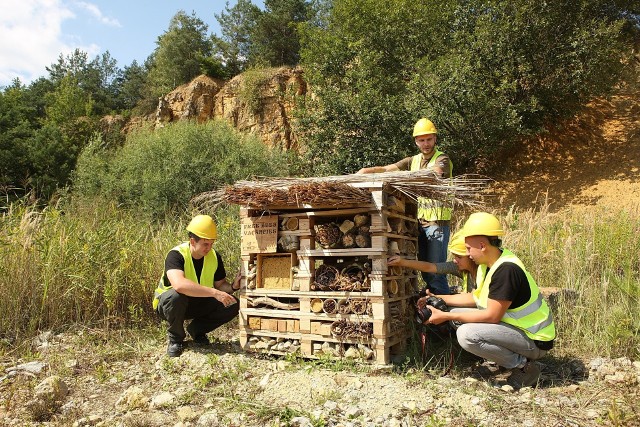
593	256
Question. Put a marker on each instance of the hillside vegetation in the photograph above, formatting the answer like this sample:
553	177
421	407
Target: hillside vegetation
541	97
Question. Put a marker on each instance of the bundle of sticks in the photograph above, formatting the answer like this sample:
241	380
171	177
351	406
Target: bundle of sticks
340	190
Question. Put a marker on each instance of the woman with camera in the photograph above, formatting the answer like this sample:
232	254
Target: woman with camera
461	266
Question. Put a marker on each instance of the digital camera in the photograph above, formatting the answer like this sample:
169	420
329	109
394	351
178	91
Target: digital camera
423	314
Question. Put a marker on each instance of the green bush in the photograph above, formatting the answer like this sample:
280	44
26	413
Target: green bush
162	170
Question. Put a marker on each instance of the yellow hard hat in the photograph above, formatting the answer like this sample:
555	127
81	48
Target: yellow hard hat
456	245
203	226
424	127
482	224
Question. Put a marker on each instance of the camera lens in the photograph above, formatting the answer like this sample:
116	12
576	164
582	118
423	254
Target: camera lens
423	314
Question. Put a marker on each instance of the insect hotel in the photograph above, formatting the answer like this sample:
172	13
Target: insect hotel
315	279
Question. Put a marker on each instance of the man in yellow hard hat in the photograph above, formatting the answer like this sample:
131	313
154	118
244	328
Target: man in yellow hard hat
194	286
434	216
506	320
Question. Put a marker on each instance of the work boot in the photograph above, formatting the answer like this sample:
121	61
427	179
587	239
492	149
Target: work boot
175	349
526	376
488	370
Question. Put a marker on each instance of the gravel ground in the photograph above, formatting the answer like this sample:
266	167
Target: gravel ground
123	379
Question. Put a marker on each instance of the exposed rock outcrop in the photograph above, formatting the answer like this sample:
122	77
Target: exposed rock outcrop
258	101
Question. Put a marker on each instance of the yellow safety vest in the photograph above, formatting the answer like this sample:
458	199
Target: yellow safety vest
209	268
534	317
430	209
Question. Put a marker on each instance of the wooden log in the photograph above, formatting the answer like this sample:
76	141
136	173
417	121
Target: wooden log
348	240
363	240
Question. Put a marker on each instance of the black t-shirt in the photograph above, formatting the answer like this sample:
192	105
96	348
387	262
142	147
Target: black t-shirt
509	283
175	261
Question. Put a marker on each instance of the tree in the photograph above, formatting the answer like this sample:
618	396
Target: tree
236	26
179	53
130	86
97	78
16	128
275	40
487	72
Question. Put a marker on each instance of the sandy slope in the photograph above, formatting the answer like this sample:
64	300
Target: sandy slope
592	159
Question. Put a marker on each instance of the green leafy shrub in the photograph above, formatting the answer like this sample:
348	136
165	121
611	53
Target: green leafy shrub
162	170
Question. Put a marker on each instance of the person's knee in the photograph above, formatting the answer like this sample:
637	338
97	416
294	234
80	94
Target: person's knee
172	302
467	337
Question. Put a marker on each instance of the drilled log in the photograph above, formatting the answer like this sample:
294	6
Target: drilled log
348	240
363	240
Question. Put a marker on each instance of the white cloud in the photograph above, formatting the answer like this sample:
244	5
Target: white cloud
31	36
97	13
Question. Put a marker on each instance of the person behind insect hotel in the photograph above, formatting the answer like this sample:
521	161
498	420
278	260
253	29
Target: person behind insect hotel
461	265
434	216
505	319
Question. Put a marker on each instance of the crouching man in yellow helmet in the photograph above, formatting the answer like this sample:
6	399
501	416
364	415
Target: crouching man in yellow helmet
511	323
433	215
194	286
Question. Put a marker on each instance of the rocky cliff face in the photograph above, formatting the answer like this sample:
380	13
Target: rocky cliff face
258	101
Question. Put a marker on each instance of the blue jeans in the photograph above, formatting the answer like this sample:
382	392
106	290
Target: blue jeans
432	247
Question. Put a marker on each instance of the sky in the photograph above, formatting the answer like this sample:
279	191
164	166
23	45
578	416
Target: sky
33	33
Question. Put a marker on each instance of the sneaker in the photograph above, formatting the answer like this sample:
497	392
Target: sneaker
524	377
175	349
201	340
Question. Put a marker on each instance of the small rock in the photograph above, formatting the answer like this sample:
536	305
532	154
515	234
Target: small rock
353	412
132	398
357	384
186	413
51	389
592	414
507	388
300	422
475	401
162	400
352	353
330	406
393	422
261	345
264	382
91	420
29	367
210	419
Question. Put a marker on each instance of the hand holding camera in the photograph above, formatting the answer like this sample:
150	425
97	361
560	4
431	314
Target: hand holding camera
423	314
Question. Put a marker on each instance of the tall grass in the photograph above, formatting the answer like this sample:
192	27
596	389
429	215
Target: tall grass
94	264
595	255
89	264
